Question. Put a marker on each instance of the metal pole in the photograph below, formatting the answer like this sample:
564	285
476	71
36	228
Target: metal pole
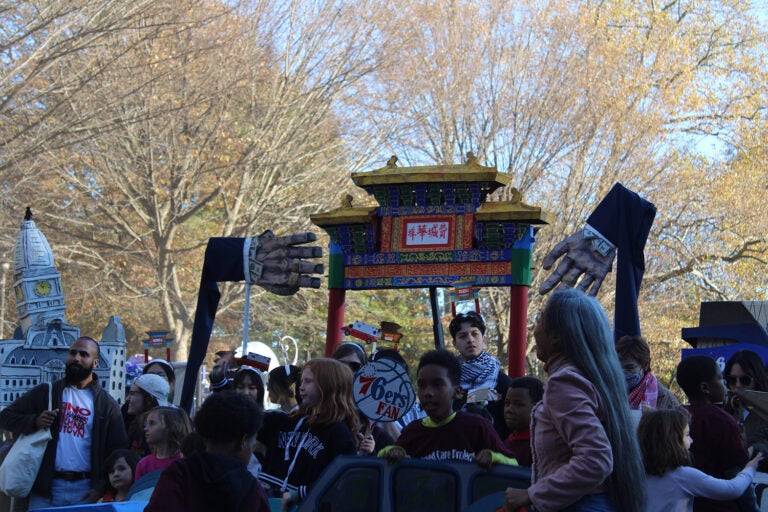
437	326
4	266
247	320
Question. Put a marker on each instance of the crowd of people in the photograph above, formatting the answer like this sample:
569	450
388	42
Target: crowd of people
600	434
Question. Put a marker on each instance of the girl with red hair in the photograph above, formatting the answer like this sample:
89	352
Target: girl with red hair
301	445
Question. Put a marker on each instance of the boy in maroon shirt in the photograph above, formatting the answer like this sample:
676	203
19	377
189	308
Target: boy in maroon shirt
445	434
717	447
523	393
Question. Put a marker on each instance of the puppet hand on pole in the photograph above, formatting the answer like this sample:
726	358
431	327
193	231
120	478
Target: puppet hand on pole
276	263
588	255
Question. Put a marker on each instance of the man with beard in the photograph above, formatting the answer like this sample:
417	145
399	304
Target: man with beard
86	426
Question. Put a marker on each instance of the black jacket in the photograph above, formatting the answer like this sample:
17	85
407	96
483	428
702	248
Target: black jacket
206	482
108	429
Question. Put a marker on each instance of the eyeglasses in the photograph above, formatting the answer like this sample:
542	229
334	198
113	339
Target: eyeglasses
744	380
353	365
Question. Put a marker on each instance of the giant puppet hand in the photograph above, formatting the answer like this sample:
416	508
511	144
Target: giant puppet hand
619	226
588	255
276	263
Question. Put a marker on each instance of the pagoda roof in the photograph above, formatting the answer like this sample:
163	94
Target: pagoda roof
470	171
344	216
513	211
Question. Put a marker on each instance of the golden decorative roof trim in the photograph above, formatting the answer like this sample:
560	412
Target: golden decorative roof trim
518	211
344	215
393	175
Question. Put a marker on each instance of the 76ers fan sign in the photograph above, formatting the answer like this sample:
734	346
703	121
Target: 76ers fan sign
383	391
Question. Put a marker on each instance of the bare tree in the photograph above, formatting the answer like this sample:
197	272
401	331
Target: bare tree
225	122
570	99
36	39
142	129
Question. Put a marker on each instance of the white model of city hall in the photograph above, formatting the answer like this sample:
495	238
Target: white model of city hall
41	341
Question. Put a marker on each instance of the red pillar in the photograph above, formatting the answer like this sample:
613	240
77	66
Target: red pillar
518	330
333	335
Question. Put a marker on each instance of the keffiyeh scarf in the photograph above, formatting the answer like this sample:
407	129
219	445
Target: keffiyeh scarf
645	393
480	373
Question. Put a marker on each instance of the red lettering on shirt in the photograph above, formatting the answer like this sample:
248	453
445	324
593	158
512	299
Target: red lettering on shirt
73	419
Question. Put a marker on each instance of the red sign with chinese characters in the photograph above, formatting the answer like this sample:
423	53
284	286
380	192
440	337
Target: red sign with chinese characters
427	232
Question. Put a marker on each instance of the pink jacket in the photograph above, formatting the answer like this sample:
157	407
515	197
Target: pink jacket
572	456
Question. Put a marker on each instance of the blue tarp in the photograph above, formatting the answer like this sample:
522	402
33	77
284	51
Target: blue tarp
722	353
745	333
122	506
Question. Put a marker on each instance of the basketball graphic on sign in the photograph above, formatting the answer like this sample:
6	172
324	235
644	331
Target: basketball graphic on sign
383	391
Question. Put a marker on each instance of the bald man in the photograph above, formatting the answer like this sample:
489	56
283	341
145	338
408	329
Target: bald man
86	426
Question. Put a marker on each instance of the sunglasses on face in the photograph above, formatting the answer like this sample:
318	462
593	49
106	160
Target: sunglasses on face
744	380
353	366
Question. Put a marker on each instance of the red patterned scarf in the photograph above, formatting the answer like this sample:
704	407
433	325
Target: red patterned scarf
645	393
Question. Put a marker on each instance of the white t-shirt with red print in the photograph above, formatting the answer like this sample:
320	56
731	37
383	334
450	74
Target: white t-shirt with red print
73	450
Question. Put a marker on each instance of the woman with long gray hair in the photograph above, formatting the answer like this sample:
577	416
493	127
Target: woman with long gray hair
585	453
